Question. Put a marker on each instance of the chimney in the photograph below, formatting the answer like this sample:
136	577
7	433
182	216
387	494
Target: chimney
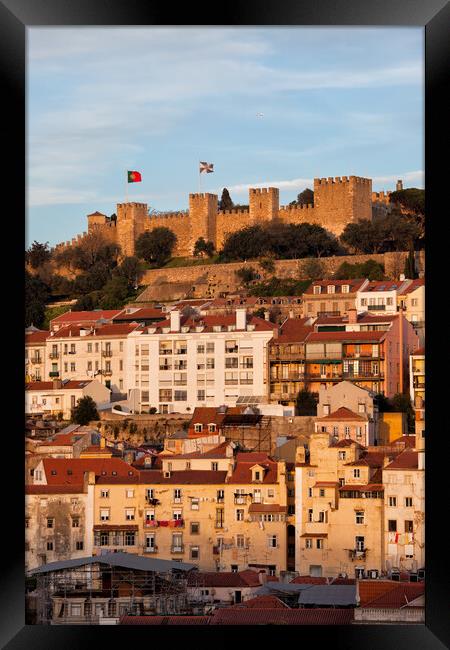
402	277
352	315
267	315
291	313
57	384
262	575
399	185
175	320
241	318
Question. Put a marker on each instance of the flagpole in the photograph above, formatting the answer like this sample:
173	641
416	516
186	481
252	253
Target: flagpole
126	186
199	180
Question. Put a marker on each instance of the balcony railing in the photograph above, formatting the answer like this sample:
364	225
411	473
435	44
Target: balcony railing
246	381
107	373
107	353
165	352
165	367
328	313
180	382
177	549
54	355
54	373
234	350
231	382
229	366
150	549
36	360
246	365
355	554
181	351
286	356
151	523
376	307
363	375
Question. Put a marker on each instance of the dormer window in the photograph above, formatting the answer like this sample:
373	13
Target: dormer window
330	288
198	428
257	473
317	289
212	428
345	288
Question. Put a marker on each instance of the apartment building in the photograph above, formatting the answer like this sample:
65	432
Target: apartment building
55	397
83	319
84	352
411	299
417	378
404	517
189	361
331	297
35	347
380	296
339	513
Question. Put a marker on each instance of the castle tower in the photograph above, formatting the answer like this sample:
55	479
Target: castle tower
342	200
202	218
399	186
264	204
131	218
96	220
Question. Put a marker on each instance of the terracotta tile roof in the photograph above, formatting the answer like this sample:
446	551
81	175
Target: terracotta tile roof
96	214
408	441
242	471
407	459
145	313
415	284
347	442
222	579
326	483
61	440
84	316
372	459
108	330
342	413
262	602
363	317
322	580
217	452
208	322
72	384
401	595
372	589
383	285
250	576
31	338
266	507
293	330
102	467
185	477
306	616
420	352
351	337
353	285
54	489
164	620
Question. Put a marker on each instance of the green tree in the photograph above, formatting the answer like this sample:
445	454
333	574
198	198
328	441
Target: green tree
85	411
312	269
306	403
53	312
132	270
364	236
37	254
156	246
304	198
370	269
203	247
87	302
115	293
246	274
225	202
410	265
36	296
267	264
247	243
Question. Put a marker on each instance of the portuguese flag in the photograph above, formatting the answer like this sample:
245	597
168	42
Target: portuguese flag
134	177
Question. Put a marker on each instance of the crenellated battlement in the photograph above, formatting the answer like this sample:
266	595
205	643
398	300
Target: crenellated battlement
238	211
294	208
336	180
264	190
132	204
168	215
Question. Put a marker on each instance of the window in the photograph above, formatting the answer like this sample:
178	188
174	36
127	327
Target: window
389	301
104	514
363	302
214	467
130	494
176	493
195	528
359	543
27	522
240	541
201	395
239	514
310	514
322	516
409	526
188	464
392	502
347	432
150	541
212	428
341	455
319	543
345	288
149	515
79	546
270	493
358	432
321	492
195	504
130	538
220	496
326	409
195	552
49	546
272	541
104	494
75	522
392	525
335	431
308	542
50	523
310	492
408	502
359	516
180	396
316	289
341	482
129	514
198	428
330	288
356	473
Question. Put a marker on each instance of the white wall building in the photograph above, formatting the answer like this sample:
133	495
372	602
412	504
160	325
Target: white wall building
53	397
380	297
185	362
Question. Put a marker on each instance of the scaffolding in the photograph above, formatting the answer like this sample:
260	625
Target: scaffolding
106	591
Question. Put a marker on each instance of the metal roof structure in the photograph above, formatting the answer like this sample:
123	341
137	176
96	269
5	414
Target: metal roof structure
337	595
125	560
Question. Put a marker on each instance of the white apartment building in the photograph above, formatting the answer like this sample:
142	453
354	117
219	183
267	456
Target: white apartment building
380	297
412	300
54	397
75	352
35	345
185	362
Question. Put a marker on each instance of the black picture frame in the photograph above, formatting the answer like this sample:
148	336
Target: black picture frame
434	16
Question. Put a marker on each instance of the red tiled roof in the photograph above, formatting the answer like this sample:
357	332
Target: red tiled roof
208	322
372	459
307	616
250	576
109	330
72	384
246	460
408	441
415	284
347	442
351	337
54	489
266	507
402	594
164	620
143	312
262	602
293	330
61	440
326	483
342	413
80	465
371	589
85	316
96	214
222	579
217	452
407	459
353	285
420	352
36	337
383	285
185	477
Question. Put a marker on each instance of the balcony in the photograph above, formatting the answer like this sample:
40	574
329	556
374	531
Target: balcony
246	381
376	307
152	501
54	355
107	353
231	382
283	396
181	366
246	365
107	373
231	366
165	352
355	554
177	549
36	360
363	375
317	527
54	373
324	376
151	523
180	382
328	313
181	351
286	356
150	549
219	524
233	350
165	368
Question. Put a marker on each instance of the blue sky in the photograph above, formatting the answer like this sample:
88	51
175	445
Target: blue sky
335	102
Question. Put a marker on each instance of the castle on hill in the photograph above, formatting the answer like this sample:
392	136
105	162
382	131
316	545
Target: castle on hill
337	202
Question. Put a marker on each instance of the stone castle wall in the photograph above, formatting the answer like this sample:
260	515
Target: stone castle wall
337	202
